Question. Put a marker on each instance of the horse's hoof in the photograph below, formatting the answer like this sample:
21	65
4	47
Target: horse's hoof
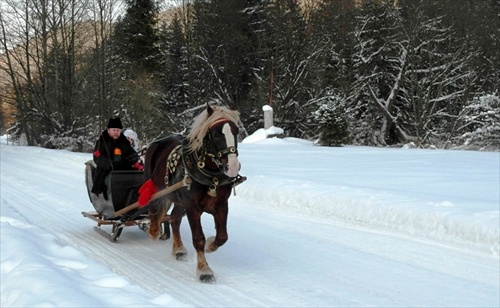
153	235
207	278
181	256
210	244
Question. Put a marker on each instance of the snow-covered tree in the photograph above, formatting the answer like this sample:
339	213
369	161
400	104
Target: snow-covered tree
43	43
292	56
332	23
136	50
379	62
136	36
331	120
436	79
481	123
174	75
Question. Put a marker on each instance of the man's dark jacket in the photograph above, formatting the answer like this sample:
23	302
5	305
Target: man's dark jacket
110	154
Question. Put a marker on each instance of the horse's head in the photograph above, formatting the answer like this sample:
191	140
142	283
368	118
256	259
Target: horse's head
216	130
223	144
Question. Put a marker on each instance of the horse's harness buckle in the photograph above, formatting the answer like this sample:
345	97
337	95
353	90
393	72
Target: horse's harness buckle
186	181
226	152
212	189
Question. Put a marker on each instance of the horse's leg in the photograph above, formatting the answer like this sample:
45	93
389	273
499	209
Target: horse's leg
165	231
220	220
178	249
203	270
156	213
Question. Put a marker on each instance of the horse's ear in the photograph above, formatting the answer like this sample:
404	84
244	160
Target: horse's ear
210	110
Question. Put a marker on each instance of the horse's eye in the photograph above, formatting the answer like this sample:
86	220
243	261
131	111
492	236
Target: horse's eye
217	135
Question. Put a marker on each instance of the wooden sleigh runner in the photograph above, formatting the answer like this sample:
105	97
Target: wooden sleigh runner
121	208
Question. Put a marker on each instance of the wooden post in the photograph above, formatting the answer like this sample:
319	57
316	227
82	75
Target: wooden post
271	82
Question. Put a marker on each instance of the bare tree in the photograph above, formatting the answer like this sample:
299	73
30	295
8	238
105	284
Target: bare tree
437	78
379	60
49	39
103	15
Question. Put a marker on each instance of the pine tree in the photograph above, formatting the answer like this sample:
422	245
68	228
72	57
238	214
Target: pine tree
332	122
174	73
481	128
136	36
224	54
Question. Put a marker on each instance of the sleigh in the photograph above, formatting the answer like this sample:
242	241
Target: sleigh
204	163
120	208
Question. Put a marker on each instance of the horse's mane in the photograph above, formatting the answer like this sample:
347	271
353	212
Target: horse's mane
203	121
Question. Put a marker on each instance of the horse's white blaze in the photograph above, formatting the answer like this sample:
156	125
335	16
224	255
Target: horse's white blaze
233	165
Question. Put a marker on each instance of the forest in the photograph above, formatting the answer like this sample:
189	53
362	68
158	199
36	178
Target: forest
424	73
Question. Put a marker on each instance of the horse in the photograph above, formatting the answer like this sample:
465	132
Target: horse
208	156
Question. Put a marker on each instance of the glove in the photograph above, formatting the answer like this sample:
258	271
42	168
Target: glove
138	166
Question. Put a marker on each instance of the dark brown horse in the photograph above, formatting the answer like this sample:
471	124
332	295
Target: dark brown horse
208	156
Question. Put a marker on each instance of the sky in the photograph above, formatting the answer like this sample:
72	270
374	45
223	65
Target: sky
311	227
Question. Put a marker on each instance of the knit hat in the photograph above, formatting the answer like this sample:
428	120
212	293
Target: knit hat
115	123
130	134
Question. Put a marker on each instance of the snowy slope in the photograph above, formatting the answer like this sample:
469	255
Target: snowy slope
312	226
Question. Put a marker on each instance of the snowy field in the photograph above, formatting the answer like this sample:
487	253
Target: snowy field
312	226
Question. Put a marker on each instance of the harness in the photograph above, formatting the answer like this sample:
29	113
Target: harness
192	163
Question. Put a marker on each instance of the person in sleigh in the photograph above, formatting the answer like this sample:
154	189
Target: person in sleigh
112	151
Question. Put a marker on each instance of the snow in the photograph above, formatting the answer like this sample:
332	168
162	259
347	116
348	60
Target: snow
267	108
312	226
262	134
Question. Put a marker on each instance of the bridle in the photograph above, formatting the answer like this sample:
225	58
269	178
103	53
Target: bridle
209	145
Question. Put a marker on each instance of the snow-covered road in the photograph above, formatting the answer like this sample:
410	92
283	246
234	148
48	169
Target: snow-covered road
281	252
